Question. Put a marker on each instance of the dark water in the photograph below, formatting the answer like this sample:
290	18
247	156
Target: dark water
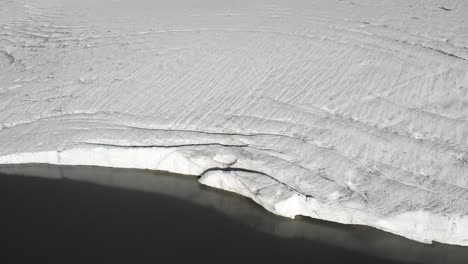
174	220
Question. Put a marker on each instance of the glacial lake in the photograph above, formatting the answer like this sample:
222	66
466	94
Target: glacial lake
78	214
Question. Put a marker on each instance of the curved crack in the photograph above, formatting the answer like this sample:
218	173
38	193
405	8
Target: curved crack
163	146
234	169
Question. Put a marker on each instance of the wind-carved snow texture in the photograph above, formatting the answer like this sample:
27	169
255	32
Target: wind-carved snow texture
349	111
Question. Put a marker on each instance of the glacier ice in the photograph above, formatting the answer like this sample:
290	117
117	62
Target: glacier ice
352	112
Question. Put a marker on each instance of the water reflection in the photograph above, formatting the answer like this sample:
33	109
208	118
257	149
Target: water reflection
360	239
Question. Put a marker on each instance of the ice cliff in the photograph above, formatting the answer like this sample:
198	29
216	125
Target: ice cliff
349	111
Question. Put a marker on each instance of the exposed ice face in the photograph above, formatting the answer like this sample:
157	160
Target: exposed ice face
350	112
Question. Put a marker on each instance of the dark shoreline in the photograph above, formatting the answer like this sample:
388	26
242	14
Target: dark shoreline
175	219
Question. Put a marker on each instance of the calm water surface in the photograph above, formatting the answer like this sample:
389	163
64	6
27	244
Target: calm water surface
160	217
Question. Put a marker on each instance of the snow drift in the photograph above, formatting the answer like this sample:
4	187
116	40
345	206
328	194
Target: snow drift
349	111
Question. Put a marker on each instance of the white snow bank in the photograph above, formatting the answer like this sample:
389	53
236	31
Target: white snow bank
353	113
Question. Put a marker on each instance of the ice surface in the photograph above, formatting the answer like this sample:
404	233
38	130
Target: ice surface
350	111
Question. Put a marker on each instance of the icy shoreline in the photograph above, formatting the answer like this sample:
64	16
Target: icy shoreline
358	239
352	113
281	200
